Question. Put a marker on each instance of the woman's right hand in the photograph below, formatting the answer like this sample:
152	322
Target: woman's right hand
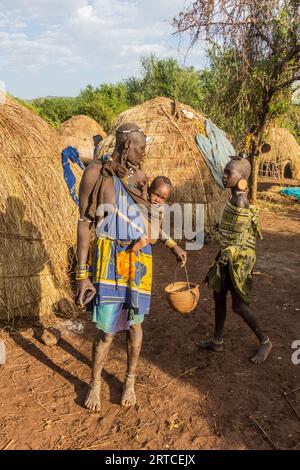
85	292
180	254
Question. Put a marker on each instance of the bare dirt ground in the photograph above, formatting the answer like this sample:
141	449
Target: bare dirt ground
187	398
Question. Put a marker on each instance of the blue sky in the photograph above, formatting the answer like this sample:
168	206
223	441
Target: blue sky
56	48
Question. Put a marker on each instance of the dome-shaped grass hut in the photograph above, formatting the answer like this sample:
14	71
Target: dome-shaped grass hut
283	159
37	217
172	152
83	133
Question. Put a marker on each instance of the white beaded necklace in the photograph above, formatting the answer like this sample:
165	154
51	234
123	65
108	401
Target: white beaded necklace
131	169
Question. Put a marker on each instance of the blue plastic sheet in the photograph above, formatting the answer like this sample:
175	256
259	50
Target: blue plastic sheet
216	150
71	153
291	192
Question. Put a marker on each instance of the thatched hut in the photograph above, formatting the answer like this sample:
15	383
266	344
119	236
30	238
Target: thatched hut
83	133
283	159
172	151
37	217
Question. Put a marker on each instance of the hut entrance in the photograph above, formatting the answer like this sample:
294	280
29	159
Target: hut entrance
263	170
287	172
268	169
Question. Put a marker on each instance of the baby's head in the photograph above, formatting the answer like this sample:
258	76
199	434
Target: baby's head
160	190
235	170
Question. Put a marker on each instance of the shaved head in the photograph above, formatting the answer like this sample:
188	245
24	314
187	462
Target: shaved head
241	165
238	168
130	143
128	132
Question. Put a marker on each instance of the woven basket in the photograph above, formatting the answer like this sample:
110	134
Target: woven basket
182	296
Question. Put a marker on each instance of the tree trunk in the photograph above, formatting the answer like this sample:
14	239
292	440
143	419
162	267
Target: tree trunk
254	156
254	178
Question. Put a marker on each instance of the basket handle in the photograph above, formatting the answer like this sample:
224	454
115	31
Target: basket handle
186	275
195	296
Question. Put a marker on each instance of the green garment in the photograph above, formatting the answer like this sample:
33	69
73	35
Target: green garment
238	230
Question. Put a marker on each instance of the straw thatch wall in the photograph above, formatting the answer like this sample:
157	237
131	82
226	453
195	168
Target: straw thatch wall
79	132
283	160
173	152
37	217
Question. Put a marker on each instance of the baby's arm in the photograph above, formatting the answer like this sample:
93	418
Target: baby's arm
139	244
143	183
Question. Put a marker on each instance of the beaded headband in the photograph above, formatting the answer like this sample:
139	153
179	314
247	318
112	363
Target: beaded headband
127	132
148	139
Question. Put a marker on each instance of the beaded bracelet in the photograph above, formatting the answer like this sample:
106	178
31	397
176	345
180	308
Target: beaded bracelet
170	243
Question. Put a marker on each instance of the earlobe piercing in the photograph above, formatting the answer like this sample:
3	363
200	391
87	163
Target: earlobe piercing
242	185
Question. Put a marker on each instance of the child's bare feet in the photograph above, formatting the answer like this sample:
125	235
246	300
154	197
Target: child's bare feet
262	353
211	346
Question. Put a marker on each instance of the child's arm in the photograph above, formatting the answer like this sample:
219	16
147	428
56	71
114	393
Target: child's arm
138	245
142	183
143	241
145	186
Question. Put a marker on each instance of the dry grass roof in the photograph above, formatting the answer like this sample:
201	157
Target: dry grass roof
284	150
79	132
173	152
37	217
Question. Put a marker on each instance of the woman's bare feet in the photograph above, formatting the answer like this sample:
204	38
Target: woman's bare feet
262	353
92	401
211	346
128	397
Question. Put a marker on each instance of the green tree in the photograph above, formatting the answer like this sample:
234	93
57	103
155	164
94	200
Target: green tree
104	103
291	121
232	105
165	77
55	110
263	38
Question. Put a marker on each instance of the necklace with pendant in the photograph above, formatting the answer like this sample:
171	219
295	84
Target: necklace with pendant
131	169
130	172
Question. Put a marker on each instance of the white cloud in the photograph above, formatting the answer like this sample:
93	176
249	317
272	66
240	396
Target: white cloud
8	20
101	39
2	92
41	10
85	12
21	53
144	49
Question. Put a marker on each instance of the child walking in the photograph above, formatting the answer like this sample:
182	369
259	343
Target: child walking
233	266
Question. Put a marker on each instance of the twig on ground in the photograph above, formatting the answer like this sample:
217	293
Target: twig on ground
96	444
141	427
8	444
39	404
151	440
284	394
160	387
295	390
264	433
